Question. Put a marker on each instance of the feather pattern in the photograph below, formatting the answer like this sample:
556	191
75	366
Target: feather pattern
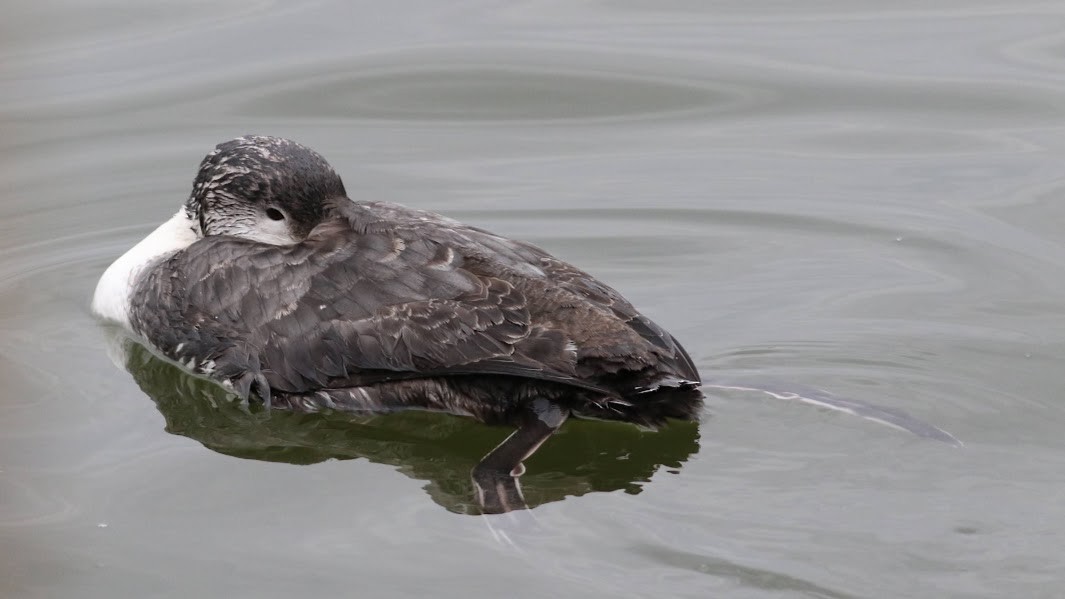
379	292
273	283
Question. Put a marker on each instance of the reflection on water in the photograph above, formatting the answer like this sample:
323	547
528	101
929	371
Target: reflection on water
861	197
440	449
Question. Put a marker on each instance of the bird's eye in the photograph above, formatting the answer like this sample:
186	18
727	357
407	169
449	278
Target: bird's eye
274	214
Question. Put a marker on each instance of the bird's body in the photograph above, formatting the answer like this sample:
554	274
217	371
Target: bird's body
275	284
380	298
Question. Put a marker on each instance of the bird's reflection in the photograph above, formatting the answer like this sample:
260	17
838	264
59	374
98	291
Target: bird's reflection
441	449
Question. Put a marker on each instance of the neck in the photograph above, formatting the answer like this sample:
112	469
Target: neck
112	298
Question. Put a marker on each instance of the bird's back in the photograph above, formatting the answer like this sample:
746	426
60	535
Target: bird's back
380	292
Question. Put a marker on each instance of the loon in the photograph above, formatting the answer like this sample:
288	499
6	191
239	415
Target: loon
273	283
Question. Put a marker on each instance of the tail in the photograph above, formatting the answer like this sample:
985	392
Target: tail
668	399
879	414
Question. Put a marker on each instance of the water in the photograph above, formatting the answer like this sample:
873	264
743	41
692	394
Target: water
860	198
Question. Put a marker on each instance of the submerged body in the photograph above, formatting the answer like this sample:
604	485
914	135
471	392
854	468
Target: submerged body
272	282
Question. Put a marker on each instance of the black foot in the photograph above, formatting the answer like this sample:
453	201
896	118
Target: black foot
495	478
497	492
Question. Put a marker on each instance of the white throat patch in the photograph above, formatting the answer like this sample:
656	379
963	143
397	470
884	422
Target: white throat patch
111	301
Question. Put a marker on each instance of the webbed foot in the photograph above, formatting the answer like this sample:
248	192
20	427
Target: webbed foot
495	478
252	385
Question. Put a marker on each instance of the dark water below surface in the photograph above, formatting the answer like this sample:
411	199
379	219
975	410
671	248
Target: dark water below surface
865	199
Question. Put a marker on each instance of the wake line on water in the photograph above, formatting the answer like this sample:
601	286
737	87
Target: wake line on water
881	415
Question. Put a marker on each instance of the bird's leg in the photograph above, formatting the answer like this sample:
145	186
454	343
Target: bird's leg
495	478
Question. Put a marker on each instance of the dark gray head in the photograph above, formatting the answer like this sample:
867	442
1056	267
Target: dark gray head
264	188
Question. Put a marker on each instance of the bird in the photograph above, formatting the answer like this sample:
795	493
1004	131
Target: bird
271	282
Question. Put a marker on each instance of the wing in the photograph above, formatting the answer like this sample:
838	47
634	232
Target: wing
344	308
580	283
525	259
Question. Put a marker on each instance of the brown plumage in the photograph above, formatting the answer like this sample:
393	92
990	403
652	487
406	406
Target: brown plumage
374	306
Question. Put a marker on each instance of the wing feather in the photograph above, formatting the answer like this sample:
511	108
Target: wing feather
382	292
328	313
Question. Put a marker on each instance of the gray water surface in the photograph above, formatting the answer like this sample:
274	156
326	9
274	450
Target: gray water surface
863	198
